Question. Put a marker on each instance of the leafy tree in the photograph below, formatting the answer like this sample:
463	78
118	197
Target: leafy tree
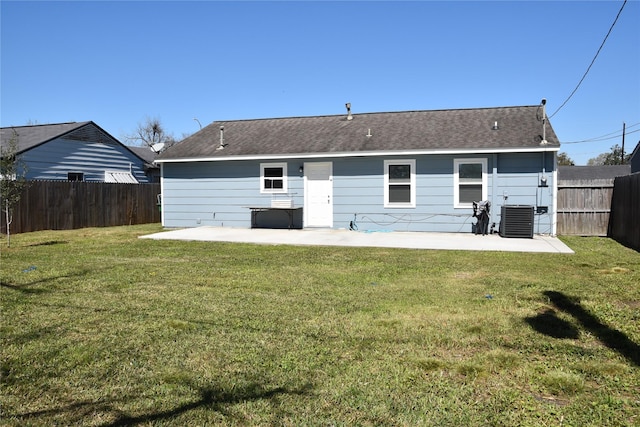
597	161
12	181
614	157
565	160
149	133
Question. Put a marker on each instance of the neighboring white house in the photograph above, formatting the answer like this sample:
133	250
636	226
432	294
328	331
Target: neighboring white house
402	171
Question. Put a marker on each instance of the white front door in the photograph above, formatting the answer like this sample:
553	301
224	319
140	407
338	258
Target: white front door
318	194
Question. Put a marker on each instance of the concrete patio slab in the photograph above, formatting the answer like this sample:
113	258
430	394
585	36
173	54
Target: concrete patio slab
384	239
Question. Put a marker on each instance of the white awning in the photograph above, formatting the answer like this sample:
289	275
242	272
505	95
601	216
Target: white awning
120	177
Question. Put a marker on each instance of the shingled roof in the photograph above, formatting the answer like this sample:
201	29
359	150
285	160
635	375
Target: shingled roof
590	173
428	131
145	153
31	136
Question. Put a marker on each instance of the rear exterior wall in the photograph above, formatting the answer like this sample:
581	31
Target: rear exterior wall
220	193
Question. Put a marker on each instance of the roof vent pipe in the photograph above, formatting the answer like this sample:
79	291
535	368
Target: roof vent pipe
349	116
222	144
544	122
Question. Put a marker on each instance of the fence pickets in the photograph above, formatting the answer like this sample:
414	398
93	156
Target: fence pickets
63	205
584	207
624	226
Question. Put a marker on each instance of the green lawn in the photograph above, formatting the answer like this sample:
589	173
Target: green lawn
102	328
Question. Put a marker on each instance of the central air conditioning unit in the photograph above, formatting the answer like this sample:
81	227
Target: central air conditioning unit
516	221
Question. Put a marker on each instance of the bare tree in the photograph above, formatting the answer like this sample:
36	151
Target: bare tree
12	180
150	133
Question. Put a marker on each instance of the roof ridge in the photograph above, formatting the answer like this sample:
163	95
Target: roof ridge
45	124
374	113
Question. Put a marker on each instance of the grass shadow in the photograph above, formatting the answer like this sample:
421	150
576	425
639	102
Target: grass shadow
73	412
212	397
49	243
550	324
27	288
612	338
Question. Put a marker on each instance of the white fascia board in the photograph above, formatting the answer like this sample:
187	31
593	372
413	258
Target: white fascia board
361	154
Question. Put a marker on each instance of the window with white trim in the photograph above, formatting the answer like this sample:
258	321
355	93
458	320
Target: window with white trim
400	183
273	177
469	182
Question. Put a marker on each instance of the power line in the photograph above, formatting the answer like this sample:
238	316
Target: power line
606	136
601	138
592	61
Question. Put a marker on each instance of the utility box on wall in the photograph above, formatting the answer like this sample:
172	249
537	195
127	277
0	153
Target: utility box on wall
516	221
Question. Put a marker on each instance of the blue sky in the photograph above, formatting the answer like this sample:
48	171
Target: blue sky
119	62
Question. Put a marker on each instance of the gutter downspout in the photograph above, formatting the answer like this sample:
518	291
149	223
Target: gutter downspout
494	188
554	217
162	209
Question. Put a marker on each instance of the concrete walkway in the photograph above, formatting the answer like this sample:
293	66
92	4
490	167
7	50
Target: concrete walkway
395	239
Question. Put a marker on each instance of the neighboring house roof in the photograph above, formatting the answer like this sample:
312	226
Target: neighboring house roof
589	173
519	128
145	153
33	135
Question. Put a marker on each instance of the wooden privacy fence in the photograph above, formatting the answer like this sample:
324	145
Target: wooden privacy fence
624	224
62	205
584	207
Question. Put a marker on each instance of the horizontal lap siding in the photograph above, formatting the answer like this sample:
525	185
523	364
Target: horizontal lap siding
218	193
359	196
55	159
518	183
522	191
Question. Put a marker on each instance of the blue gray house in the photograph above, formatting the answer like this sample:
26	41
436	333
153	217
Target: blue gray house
401	171
77	151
